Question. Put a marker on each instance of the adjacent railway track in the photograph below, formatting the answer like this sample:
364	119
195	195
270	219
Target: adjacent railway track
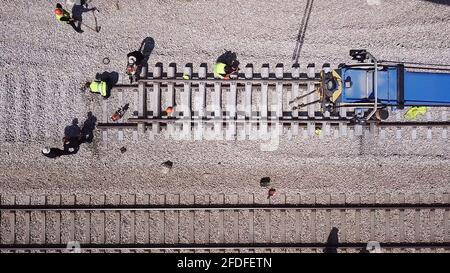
220	227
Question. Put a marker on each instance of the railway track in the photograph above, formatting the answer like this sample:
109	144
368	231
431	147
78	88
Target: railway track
253	106
290	223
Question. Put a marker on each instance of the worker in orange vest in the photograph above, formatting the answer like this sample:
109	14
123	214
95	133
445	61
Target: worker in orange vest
63	15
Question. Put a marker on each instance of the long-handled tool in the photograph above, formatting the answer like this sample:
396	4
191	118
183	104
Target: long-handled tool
304	104
302	96
97	29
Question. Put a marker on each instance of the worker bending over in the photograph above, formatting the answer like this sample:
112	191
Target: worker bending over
223	70
134	62
63	15
97	87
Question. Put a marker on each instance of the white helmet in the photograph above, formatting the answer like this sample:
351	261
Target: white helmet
46	150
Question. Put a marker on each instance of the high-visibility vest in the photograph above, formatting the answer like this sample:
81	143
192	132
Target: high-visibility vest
219	68
98	87
65	14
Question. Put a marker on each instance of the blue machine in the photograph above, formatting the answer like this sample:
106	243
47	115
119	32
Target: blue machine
373	86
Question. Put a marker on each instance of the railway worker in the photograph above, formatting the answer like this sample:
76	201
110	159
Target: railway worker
71	144
63	15
97	87
134	61
223	70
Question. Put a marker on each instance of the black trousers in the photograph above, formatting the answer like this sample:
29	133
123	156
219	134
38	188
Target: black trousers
76	28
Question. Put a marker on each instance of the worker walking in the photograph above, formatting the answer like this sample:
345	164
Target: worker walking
97	87
63	15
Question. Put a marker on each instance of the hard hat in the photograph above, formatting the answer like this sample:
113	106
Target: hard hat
169	110
58	12
46	150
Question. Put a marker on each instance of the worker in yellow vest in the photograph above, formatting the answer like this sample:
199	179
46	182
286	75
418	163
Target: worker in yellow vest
223	70
63	15
97	87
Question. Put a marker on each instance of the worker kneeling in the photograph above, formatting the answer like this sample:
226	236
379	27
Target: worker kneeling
223	70
97	87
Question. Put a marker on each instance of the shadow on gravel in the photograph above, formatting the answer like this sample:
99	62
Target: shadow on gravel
74	137
441	2
87	131
227	58
111	79
146	48
332	241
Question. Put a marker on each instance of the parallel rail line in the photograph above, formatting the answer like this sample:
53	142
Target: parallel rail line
201	207
223	227
210	247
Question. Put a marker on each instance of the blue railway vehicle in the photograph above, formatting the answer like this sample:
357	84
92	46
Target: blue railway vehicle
372	86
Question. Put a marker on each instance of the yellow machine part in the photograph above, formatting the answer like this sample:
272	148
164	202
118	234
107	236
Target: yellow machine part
414	112
338	92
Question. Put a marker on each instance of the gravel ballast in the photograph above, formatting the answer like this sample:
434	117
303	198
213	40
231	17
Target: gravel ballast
43	63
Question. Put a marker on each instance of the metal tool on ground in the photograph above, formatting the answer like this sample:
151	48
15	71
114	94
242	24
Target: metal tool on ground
106	60
120	112
302	96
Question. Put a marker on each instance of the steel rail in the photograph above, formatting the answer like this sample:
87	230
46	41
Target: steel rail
133	122
390	206
197	82
227	82
225	246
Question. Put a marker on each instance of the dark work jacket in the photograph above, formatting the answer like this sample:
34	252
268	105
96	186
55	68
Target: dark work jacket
138	55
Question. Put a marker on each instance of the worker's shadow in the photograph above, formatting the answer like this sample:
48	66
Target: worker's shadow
332	241
111	79
146	48
227	58
78	9
87	131
442	2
